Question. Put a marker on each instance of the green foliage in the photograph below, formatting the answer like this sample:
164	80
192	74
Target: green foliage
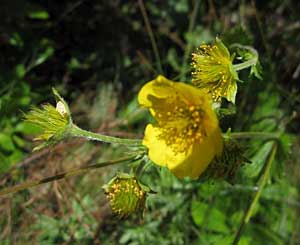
58	230
101	54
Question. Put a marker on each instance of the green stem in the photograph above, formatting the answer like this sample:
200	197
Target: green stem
189	44
246	64
72	172
248	135
75	131
263	181
150	33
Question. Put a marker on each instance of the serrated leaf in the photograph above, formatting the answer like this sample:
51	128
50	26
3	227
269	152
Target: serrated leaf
258	160
209	217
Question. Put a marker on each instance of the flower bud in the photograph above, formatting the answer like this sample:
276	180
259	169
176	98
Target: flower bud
126	195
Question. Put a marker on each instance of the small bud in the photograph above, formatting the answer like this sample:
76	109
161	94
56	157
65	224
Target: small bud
226	166
126	195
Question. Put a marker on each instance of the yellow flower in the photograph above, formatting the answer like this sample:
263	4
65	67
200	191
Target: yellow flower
186	136
214	72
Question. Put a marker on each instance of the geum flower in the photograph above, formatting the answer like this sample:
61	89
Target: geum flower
214	72
186	135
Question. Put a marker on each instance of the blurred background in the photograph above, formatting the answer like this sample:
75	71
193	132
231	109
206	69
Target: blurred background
98	54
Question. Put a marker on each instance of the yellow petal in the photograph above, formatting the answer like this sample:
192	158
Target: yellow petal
162	88
159	152
190	164
159	87
171	142
200	157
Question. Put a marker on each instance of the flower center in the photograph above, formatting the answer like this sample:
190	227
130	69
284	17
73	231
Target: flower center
182	125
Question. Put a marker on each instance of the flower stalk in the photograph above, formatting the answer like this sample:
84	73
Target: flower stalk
56	125
249	211
75	131
253	135
246	64
70	173
251	52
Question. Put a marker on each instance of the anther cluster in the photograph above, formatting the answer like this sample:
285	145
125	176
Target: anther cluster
125	195
182	126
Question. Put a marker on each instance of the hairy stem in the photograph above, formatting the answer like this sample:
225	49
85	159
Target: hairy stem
246	64
78	132
251	135
69	173
263	181
150	33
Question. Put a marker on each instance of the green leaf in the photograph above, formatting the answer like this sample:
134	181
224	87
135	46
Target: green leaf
173	59
249	57
39	15
16	40
258	160
181	6
24	100
256	71
44	56
27	128
237	34
198	36
4	163
6	142
20	71
286	141
19	141
208	217
15	157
